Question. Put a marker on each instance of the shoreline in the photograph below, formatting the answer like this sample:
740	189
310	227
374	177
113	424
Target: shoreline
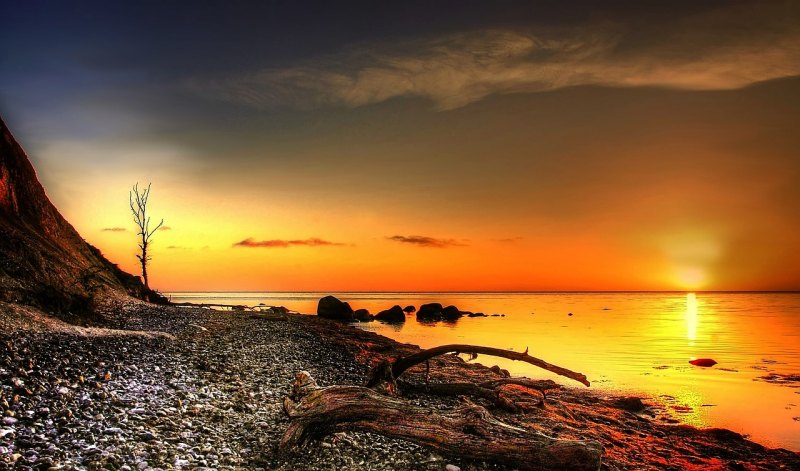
212	398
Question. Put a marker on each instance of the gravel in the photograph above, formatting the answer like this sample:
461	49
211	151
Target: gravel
207	398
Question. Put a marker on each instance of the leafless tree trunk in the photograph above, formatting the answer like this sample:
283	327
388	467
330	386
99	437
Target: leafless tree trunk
138	200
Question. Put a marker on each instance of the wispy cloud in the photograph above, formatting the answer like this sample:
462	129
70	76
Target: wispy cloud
280	243
113	229
461	69
425	241
165	228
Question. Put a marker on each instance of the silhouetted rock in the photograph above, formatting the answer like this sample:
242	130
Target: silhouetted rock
409	309
394	315
476	314
331	307
362	315
704	362
451	313
44	262
630	404
430	312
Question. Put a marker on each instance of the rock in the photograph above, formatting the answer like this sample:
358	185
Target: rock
476	314
9	420
362	315
330	307
452	467
430	312
630	404
393	315
451	313
409	309
704	362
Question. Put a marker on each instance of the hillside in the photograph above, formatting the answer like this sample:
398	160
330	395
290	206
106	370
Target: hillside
44	262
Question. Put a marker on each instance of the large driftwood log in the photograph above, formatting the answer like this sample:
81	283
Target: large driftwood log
384	376
469	431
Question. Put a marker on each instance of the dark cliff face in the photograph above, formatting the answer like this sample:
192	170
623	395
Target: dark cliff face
44	262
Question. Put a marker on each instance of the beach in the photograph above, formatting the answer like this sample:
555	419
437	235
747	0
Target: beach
206	391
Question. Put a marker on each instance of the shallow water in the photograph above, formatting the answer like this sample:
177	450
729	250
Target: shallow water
639	343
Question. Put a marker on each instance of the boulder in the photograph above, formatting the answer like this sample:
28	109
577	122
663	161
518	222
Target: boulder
409	309
430	312
330	307
451	313
630	404
394	315
362	315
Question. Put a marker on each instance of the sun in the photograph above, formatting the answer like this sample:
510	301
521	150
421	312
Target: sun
691	278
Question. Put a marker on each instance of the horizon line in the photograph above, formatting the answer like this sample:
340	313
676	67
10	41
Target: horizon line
795	291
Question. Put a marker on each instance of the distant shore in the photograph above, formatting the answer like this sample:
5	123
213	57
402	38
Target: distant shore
207	392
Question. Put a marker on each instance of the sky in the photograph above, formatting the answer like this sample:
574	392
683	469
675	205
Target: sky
420	146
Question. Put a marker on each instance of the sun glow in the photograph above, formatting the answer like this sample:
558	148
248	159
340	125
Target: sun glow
691	277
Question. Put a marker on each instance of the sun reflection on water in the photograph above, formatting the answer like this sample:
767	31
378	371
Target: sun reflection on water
691	317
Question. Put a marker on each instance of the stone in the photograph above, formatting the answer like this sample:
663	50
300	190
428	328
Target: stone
394	314
704	362
409	309
451	313
630	404
362	315
430	312
331	307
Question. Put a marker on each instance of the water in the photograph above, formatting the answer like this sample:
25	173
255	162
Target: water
638	343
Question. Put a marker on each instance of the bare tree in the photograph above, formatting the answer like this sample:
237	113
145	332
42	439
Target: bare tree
138	202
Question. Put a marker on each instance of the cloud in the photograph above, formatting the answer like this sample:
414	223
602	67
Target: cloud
165	228
425	241
457	70
113	229
279	243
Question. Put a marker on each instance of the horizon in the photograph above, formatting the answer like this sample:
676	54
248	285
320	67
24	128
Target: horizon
455	147
499	292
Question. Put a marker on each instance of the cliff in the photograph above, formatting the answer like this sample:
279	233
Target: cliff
44	262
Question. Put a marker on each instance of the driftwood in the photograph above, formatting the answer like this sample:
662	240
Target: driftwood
489	390
469	431
385	375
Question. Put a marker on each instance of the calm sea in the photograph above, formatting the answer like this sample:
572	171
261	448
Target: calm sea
638	343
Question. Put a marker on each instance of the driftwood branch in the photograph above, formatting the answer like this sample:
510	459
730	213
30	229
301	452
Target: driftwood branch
385	375
489	390
469	431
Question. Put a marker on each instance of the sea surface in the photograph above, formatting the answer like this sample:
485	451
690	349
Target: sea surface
637	343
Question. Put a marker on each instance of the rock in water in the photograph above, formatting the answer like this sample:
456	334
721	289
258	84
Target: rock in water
704	362
409	309
393	315
430	312
331	307
451	313
362	315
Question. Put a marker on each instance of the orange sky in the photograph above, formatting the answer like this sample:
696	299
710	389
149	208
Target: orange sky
587	154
